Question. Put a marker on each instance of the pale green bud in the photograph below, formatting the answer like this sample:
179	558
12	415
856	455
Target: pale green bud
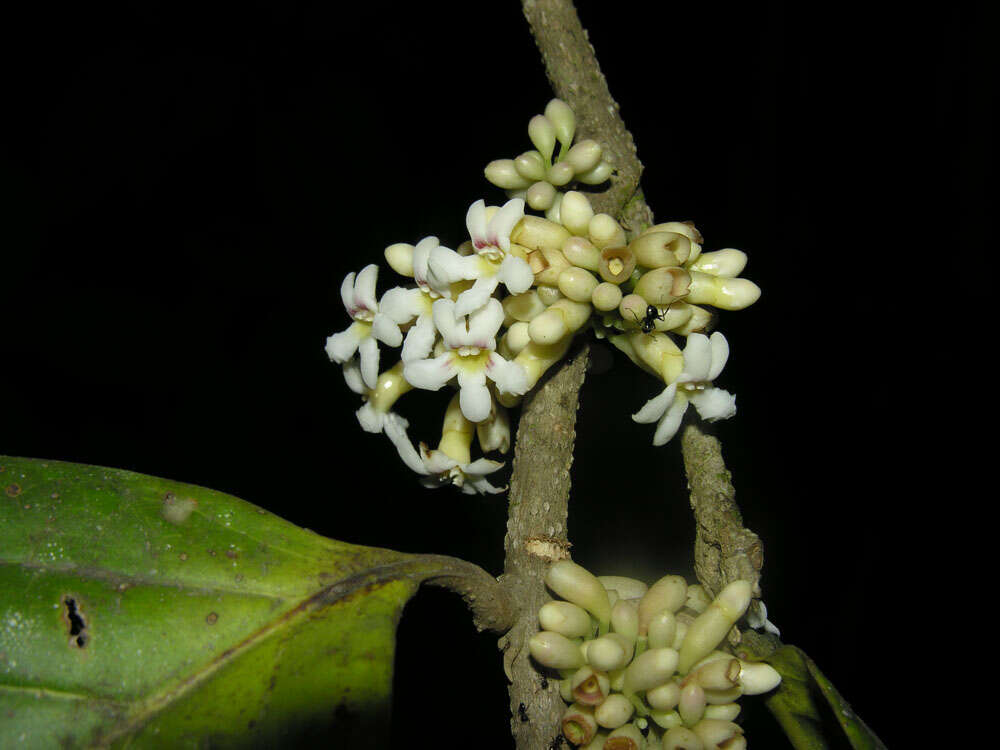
584	156
524	306
658	249
681	738
605	232
614	711
722	292
664	697
606	296
503	174
666	719
563	120
565	618
720	674
579	724
712	625
625	737
713	732
530	165
698	318
724	711
555	651
534	233
625	619
578	284
697	598
576	584
608	653
597	175
553	211
581	252
662	629
400	258
652	667
757	677
576	213
663	286
516	338
727	262
667	593
540	196
542	135
549	295
560	174
691	705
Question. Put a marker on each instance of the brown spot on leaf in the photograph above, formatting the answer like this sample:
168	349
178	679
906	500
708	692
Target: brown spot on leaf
13	490
211	618
232	554
183	556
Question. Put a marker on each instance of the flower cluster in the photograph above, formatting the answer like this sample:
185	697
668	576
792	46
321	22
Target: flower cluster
645	666
491	316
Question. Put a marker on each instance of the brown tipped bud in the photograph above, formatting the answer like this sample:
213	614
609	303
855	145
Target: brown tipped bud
625	737
589	687
617	264
663	286
721	674
658	249
579	724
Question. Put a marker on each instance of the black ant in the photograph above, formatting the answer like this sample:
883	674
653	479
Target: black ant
648	323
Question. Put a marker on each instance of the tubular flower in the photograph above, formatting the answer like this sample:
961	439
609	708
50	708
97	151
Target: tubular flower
370	325
491	264
436	466
704	359
471	343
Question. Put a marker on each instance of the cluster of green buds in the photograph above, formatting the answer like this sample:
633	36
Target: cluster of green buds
646	666
493	315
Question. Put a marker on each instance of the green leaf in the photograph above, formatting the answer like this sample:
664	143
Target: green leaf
137	611
809	709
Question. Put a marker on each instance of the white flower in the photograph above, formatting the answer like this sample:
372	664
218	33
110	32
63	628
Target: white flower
491	264
437	467
471	355
704	359
757	618
369	326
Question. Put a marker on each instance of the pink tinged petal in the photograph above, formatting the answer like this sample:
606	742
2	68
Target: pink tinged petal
395	430
368	350
720	354
477	296
419	339
364	288
475	222
671	421
430	374
509	376
369	419
516	274
484	323
714	404
352	376
697	359
447	323
656	407
347	292
475	401
386	330
503	222
340	347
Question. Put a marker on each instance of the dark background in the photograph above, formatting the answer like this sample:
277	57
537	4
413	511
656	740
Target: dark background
187	187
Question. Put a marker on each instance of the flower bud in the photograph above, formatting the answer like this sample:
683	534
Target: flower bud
493	432
713	732
697	598
548	267
516	338
664	697
576	584
540	196
606	296
721	674
722	292
667	593
617	264
691	705
698	318
757	677
686	228
589	687
576	213
658	249
650	668
625	737
584	156
566	619
531	166
662	629
542	135
605	232
578	284
666	719
721	697
608	653
563	120
552	213
579	724
712	625
560	174
597	175
660	354
581	252
534	233
547	328
526	306
681	738
723	711
625	619
503	174
400	258
663	286
555	651
549	295
728	262
614	711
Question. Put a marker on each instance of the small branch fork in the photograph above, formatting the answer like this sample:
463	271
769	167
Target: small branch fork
540	484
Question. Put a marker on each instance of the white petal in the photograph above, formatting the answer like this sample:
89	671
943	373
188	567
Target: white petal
503	222
437	462
340	347
484	323
402	305
510	376
697	359
364	288
352	376
516	274
430	374
720	354
395	430
447	323
475	401
657	406
482	466
419	339
386	330
714	404
422	254
477	296
368	349
369	419
671	421
475	222
347	291
447	266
